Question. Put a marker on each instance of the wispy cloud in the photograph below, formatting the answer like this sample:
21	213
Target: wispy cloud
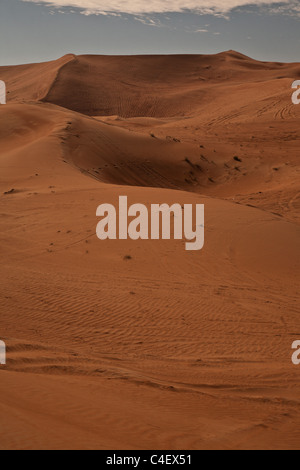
142	7
148	21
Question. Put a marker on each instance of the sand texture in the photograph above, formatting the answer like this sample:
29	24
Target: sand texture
141	344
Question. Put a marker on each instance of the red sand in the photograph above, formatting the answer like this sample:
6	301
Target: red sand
170	349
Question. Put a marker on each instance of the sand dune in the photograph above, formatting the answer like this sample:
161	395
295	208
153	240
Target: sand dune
153	86
142	345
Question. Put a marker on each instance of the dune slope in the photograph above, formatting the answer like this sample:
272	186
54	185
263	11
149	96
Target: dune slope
154	86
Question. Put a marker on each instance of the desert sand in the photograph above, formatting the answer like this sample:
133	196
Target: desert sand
141	344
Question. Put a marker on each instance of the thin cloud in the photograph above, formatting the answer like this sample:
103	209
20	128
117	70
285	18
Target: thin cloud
140	7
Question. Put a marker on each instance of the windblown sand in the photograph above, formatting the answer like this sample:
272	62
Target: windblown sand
141	344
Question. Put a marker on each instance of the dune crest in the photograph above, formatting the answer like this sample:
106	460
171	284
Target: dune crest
137	86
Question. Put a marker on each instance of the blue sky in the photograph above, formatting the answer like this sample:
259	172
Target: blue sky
37	30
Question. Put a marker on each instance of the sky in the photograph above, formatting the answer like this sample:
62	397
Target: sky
42	30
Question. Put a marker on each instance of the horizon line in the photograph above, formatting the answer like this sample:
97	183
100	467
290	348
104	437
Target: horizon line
149	55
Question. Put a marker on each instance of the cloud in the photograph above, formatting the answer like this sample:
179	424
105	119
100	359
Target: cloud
142	7
148	21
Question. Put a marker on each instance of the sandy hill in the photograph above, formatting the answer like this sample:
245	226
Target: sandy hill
154	86
222	125
122	344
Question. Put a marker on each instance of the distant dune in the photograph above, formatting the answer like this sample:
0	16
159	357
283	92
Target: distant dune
142	345
139	86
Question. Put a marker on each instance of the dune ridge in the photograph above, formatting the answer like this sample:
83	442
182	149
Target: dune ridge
138	86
